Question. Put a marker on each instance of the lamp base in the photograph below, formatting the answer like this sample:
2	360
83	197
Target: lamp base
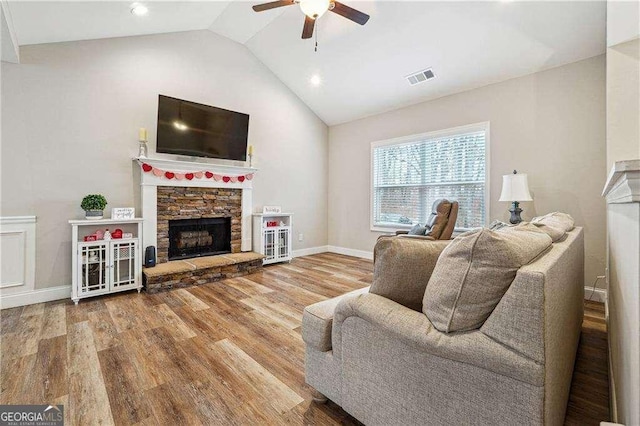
515	213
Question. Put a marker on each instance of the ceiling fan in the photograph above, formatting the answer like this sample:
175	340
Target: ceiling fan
314	9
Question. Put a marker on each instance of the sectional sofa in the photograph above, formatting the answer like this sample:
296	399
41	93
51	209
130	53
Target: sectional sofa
381	358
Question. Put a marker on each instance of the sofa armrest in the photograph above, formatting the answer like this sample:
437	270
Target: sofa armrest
418	237
405	233
317	321
414	330
402	268
517	322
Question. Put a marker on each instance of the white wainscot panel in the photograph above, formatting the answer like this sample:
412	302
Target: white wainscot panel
17	254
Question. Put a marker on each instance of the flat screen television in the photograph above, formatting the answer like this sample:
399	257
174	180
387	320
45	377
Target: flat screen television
188	128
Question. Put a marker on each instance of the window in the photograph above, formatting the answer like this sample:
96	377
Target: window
409	174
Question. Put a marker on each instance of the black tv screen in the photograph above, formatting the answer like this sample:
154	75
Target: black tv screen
188	128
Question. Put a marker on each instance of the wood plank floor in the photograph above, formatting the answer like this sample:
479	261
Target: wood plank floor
228	352
589	397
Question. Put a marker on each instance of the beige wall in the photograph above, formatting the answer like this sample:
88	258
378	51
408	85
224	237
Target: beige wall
71	112
623	102
550	125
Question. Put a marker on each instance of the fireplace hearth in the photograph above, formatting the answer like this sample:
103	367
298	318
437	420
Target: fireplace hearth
190	238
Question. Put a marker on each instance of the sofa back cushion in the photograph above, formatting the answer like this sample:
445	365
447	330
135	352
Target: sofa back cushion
474	272
402	269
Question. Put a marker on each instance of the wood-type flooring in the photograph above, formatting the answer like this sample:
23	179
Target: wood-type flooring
228	352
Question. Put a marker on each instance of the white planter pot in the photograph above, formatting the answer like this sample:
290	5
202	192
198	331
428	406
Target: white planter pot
93	214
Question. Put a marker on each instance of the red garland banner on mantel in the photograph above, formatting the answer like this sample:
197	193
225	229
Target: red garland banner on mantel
147	168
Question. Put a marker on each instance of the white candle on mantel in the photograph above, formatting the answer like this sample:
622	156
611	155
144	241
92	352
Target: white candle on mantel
142	134
250	151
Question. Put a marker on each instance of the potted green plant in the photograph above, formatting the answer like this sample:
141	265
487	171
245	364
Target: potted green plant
93	206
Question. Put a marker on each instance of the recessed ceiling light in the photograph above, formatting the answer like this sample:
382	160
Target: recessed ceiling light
139	9
315	80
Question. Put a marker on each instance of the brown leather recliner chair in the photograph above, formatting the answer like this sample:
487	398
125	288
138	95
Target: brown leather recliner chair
441	222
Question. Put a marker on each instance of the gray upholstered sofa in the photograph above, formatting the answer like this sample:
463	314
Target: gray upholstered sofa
386	364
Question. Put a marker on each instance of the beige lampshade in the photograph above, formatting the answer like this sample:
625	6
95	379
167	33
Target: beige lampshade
515	187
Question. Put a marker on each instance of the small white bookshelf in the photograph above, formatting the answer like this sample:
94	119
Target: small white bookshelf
272	236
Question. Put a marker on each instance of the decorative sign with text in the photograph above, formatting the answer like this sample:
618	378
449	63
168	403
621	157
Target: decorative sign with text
271	209
123	213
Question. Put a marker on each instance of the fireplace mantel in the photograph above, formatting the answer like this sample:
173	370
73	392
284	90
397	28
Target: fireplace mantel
149	194
193	166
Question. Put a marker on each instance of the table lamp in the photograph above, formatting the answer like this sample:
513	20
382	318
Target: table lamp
515	188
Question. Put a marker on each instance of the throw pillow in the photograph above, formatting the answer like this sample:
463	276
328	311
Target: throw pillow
417	230
402	268
498	224
473	273
555	224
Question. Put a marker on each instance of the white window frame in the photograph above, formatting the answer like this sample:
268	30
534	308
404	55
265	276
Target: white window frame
476	127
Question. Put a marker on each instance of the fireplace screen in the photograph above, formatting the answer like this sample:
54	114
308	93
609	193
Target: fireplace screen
199	237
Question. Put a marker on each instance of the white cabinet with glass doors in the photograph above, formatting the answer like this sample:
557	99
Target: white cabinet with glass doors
105	266
272	236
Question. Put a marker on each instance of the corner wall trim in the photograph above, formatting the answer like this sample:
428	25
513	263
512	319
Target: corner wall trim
35	296
309	251
351	252
599	294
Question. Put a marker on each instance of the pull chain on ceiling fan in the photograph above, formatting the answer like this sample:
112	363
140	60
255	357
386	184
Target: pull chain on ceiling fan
314	9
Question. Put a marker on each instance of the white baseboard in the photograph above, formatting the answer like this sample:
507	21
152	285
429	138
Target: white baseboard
309	251
599	294
334	249
35	296
351	252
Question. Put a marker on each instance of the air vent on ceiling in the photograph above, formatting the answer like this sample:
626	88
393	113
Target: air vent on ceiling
420	76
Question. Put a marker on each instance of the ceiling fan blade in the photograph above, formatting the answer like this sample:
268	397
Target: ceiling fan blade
309	24
272	5
350	13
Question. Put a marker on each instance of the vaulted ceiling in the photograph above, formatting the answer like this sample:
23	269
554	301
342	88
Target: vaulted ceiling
361	69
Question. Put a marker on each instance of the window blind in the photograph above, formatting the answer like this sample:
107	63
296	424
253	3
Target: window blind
409	177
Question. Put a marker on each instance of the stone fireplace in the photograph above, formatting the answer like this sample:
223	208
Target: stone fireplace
163	200
187	217
198	216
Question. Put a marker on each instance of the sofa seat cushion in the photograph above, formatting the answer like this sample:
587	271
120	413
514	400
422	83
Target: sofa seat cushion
317	320
474	272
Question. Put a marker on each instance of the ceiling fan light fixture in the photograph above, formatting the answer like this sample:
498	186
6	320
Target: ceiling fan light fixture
314	8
